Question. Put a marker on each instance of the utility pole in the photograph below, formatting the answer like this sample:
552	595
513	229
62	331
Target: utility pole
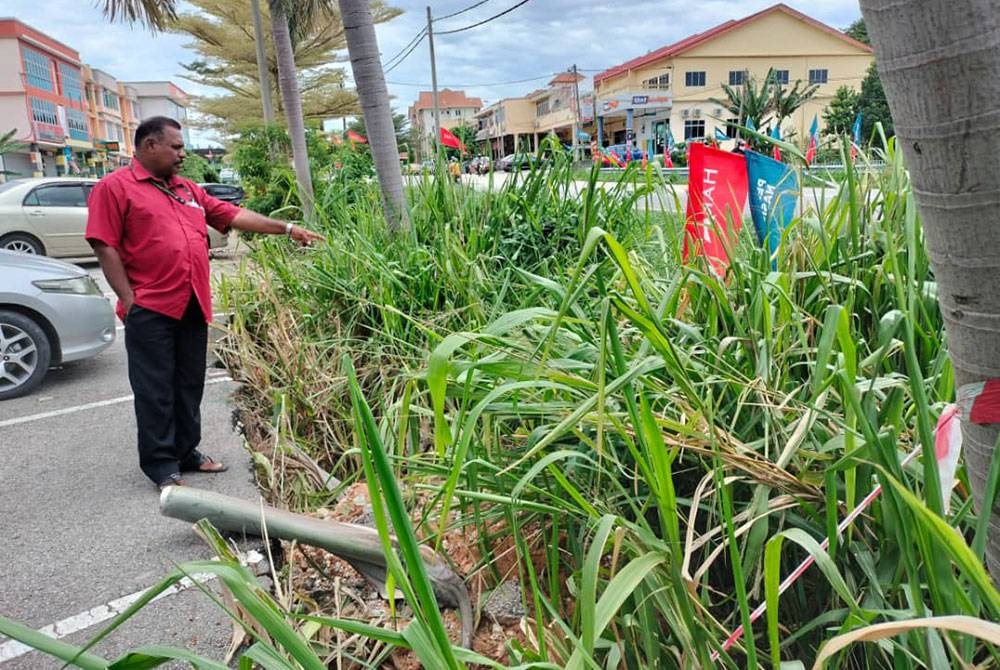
265	84
577	118
434	85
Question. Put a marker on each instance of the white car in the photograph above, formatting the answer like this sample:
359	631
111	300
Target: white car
48	216
51	313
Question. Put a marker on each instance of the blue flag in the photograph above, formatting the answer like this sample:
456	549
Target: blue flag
751	125
774	192
720	135
856	129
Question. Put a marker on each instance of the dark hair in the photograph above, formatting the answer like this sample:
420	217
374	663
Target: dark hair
153	126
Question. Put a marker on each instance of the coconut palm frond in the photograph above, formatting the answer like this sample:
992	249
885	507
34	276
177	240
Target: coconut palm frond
155	14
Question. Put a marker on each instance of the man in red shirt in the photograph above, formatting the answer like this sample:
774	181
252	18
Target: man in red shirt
149	230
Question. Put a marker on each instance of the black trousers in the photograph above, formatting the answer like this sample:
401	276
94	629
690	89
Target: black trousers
166	368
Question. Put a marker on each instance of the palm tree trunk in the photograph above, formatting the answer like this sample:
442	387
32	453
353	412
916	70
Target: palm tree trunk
374	98
289	86
265	84
939	61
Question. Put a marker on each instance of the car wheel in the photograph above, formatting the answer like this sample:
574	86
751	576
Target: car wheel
25	353
23	243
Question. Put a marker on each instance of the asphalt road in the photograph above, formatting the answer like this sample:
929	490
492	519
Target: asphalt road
80	522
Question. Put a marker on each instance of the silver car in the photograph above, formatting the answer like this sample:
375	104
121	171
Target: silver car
48	216
51	313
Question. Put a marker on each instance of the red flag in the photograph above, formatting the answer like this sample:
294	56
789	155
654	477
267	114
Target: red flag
356	137
667	160
717	194
448	139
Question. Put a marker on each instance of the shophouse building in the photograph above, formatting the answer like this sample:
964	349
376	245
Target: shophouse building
672	88
454	107
163	98
42	100
106	123
508	126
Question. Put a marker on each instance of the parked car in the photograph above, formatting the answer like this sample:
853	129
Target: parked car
512	162
228	192
47	216
51	313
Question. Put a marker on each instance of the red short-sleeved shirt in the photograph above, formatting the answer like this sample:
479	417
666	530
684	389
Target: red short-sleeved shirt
162	240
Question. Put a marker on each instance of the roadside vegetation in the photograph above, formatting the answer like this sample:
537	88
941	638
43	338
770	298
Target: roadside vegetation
532	383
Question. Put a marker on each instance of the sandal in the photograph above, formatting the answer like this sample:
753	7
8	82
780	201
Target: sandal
206	464
173	480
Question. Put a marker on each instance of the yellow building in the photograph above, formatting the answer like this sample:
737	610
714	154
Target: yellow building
519	124
672	88
508	125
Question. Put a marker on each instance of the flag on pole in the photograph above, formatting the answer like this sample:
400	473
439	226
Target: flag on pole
774	192
751	125
717	194
356	137
856	136
776	134
448	139
813	140
668	160
720	135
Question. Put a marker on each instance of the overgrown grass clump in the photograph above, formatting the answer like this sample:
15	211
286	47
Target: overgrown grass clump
645	448
646	437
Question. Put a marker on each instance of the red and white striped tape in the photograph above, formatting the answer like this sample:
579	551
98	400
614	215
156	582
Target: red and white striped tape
979	403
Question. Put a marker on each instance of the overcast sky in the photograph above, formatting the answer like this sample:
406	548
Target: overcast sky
508	56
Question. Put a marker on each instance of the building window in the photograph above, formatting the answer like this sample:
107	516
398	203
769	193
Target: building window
731	128
662	82
694	78
44	111
818	76
72	84
110	99
542	108
77	122
781	77
737	77
694	130
38	69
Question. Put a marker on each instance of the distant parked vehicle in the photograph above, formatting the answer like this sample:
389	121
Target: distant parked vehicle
47	216
51	313
512	162
228	192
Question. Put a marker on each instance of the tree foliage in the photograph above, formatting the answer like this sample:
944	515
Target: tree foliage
859	31
874	107
838	117
765	101
223	36
197	169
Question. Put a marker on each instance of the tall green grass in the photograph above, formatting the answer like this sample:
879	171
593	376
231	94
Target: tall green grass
645	447
617	414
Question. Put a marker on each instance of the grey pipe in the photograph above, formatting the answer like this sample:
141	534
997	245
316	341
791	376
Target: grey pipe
358	545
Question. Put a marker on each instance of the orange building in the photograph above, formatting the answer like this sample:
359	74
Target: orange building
42	99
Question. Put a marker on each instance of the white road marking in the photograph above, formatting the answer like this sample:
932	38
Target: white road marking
93	405
12	649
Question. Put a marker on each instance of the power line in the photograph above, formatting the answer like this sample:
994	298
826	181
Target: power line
410	45
405	55
461	11
476	25
496	83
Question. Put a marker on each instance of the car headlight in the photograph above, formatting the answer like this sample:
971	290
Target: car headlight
75	285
